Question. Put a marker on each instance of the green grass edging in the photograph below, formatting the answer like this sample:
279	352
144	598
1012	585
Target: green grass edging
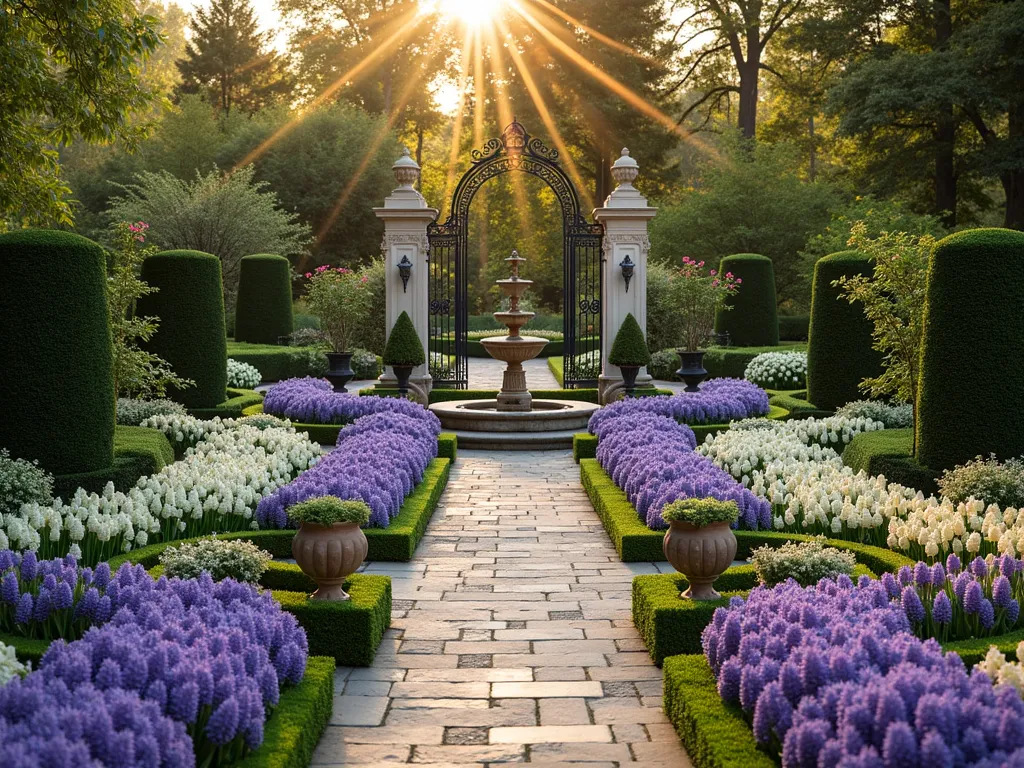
634	542
298	721
232	408
888	452
138	452
26	649
715	734
556	364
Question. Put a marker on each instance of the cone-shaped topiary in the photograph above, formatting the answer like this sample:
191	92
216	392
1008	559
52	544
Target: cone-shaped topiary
56	369
973	349
629	347
404	346
263	309
839	353
192	338
753	320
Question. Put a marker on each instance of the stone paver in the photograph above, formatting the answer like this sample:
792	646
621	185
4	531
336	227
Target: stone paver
511	638
485	373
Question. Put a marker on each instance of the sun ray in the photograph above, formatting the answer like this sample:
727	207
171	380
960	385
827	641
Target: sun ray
610	42
626	94
453	155
545	115
344	79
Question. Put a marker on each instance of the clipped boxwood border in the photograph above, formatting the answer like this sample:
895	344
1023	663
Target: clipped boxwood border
584	444
327	434
714	734
888	452
293	730
670	625
634	542
232	408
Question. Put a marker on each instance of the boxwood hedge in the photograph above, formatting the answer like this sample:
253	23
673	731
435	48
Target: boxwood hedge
192	337
839	353
56	385
753	320
973	343
263	309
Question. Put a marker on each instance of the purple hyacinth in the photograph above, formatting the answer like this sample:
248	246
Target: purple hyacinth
952	564
973	597
912	605
922	574
942	609
1002	592
313	401
979	567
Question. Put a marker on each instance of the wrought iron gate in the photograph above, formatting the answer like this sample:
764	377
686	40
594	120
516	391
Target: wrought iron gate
448	289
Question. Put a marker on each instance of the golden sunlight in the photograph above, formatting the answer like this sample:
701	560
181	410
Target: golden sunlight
471	13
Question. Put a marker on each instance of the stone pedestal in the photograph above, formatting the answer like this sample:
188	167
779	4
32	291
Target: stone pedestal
406	215
624	216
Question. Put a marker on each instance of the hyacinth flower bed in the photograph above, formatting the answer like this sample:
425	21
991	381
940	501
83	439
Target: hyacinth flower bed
176	672
834	675
228	466
314	407
719	402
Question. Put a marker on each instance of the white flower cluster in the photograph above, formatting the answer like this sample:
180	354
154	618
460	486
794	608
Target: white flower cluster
10	667
934	528
778	370
236	559
242	375
216	486
185	431
807	562
1001	671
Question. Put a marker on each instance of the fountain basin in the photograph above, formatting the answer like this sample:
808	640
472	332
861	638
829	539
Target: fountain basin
513	349
549	425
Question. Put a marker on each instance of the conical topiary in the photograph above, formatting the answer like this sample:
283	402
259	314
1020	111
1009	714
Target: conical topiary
629	347
404	346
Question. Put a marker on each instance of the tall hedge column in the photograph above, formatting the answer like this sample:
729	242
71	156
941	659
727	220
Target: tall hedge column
753	320
839	352
263	309
973	350
406	215
191	337
56	361
624	216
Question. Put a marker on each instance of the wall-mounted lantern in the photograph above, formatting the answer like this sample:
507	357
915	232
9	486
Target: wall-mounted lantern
405	272
627	266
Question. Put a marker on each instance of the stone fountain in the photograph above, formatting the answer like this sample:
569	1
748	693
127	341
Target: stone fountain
514	420
514	349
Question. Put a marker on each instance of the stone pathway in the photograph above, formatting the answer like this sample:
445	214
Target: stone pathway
511	639
486	374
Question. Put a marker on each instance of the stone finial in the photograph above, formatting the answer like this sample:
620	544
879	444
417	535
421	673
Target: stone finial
406	169
625	169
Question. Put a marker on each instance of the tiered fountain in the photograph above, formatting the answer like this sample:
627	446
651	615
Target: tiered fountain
514	421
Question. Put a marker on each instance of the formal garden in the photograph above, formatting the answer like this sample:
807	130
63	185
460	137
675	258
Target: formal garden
703	451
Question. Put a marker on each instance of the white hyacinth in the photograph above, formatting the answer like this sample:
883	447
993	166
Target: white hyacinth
778	370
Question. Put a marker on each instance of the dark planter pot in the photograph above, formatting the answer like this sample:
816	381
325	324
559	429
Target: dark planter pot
402	373
692	371
341	372
629	373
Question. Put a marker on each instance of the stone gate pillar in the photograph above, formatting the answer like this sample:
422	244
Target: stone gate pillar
624	216
406	216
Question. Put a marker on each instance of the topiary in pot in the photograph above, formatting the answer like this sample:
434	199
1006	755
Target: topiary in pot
839	353
972	350
629	351
404	350
329	545
56	358
753	320
192	337
263	310
700	543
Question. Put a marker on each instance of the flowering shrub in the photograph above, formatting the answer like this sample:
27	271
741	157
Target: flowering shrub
699	295
223	559
313	401
700	512
778	370
379	459
215	487
987	480
263	421
899	416
341	299
806	562
651	458
365	364
329	510
22	482
831	675
243	375
10	667
718	402
588	364
131	413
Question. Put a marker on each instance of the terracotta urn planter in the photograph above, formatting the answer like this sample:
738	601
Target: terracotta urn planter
329	555
700	554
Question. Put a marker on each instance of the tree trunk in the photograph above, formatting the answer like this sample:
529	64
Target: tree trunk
747	122
945	129
419	153
812	167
